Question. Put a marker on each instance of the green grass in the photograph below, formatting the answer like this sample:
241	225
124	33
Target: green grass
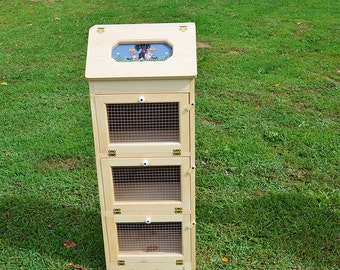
267	131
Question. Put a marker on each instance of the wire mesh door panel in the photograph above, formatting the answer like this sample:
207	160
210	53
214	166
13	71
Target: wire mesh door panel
152	183
165	238
129	181
147	239
153	237
143	122
148	119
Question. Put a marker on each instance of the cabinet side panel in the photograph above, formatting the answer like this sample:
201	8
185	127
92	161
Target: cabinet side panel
100	177
193	182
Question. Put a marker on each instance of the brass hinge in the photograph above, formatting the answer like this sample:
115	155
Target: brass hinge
117	211
121	262
112	153
178	210
101	30
179	262
176	152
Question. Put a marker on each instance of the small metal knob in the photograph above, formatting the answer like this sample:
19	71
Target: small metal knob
141	99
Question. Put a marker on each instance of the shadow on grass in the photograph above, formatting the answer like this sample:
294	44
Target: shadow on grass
302	227
37	225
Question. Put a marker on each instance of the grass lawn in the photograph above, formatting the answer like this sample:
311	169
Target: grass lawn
268	107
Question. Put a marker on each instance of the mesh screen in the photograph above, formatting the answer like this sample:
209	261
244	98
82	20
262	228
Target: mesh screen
142	238
143	122
147	183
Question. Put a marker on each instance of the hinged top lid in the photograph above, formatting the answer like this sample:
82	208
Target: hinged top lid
141	51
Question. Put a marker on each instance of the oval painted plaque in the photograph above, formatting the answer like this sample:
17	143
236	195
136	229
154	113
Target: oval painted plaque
141	52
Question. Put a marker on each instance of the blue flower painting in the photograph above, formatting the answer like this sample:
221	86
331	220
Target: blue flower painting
141	52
